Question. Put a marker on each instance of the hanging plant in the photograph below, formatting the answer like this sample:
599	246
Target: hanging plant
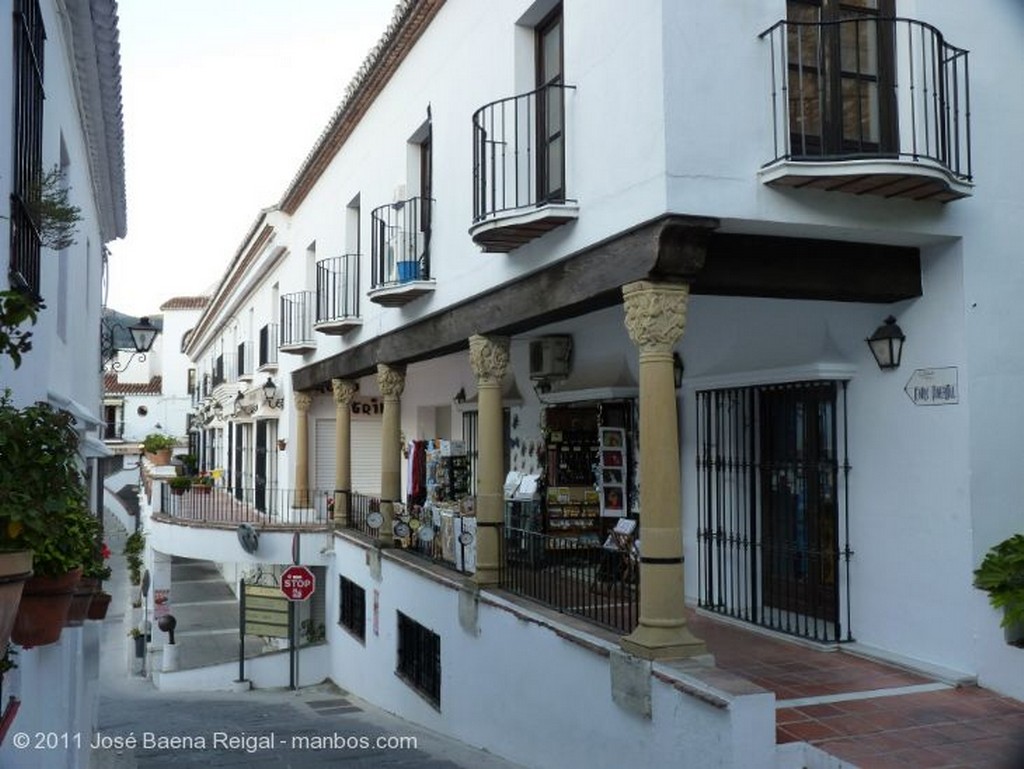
55	215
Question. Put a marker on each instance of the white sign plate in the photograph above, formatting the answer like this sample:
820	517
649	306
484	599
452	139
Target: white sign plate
933	387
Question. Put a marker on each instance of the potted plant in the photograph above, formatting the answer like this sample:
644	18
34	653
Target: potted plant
158	448
58	555
202	483
1001	575
42	509
180	484
140	641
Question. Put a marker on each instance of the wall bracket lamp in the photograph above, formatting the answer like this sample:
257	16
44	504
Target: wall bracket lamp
887	344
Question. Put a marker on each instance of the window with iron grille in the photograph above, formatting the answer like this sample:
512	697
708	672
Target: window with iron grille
29	38
352	609
772	513
419	658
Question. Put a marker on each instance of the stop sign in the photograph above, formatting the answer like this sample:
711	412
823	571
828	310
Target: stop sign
297	583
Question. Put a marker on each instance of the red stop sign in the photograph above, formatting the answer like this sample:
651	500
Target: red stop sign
297	583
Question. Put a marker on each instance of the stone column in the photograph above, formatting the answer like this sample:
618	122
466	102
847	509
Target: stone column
391	381
344	393
303	401
489	358
655	319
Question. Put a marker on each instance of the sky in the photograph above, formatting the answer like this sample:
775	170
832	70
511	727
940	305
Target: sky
223	100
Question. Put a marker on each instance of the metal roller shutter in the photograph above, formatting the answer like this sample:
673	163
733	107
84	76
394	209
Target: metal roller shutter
366	447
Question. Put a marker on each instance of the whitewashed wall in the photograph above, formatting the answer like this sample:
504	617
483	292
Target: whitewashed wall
562	689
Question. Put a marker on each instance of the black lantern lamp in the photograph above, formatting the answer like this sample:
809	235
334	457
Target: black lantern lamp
270	394
887	344
143	335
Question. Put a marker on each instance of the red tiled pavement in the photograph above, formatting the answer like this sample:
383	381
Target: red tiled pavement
964	727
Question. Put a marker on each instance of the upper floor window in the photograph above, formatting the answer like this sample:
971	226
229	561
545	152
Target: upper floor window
27	140
841	77
550	109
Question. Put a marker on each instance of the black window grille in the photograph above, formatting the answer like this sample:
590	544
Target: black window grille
352	609
26	173
419	658
773	514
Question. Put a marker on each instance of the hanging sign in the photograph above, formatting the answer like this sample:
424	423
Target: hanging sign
933	387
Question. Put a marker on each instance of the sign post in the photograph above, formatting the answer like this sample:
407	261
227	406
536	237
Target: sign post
297	584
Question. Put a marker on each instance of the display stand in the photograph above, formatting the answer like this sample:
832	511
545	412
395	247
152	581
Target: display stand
612	469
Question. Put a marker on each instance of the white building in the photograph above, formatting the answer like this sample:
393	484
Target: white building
152	393
502	236
61	108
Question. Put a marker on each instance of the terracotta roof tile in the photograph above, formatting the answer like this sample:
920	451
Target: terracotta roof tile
185	303
112	387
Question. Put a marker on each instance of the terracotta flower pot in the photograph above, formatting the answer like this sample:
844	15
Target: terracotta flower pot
80	601
15	569
161	457
200	488
44	609
98	607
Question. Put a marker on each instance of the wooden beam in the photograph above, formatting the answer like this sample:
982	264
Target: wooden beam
668	248
801	268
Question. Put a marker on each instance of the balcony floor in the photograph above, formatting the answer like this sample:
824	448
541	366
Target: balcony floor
870	714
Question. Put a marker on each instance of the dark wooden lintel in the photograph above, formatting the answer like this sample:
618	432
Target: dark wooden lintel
668	248
801	268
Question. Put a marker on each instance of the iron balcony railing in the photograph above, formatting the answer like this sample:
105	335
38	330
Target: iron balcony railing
297	319
596	583
400	242
360	507
519	152
223	369
268	346
249	504
337	288
869	87
113	431
245	360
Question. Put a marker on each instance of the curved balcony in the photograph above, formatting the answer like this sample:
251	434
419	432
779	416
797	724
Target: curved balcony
297	323
337	294
519	179
400	255
870	106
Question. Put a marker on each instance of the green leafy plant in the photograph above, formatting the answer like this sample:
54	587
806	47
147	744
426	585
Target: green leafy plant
1001	575
313	631
56	216
134	545
203	479
135	632
180	482
7	661
95	565
43	501
16	309
155	442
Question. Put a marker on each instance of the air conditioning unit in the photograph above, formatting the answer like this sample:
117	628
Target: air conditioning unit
550	357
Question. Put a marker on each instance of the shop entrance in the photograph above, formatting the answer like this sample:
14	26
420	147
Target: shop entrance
769	510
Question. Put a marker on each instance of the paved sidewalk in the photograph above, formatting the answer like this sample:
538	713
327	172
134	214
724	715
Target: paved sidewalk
870	714
314	728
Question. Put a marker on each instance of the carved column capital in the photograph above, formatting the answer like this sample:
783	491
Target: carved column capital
303	401
489	357
344	391
655	314
391	380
